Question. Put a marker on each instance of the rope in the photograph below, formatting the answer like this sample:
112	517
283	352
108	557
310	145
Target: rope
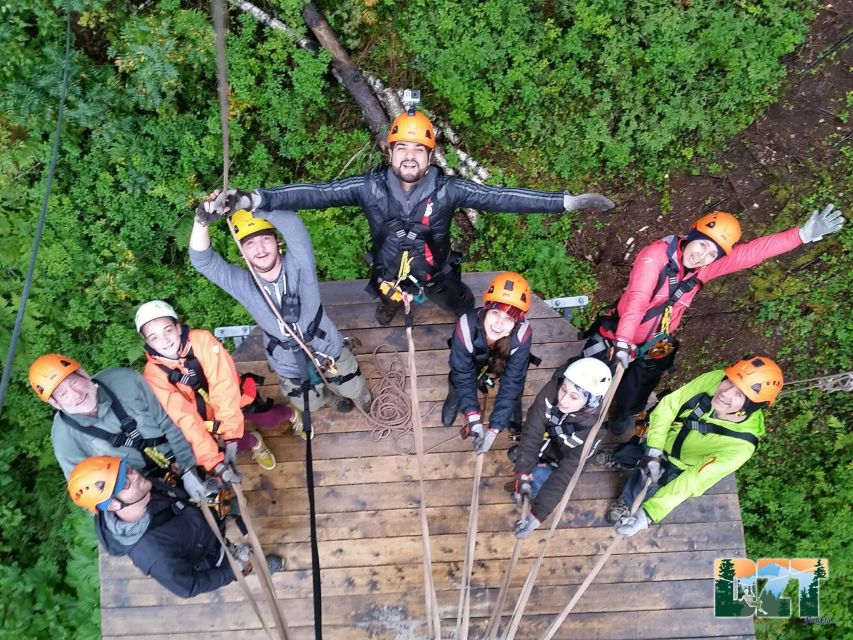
261	559
635	506
28	281
829	384
238	573
494	619
433	623
587	446
464	615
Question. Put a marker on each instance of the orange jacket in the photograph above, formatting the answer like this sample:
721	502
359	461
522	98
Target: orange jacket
179	399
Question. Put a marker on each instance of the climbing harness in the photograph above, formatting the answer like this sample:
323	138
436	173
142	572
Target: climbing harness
128	435
698	406
552	629
527	589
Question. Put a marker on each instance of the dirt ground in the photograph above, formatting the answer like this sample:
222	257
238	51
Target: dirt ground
782	149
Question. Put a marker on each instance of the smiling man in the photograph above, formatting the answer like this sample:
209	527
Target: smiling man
698	435
290	280
113	413
638	330
409	206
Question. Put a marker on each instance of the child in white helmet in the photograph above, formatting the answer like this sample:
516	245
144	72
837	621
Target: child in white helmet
557	425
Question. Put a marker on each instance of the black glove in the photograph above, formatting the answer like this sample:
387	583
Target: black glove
235	200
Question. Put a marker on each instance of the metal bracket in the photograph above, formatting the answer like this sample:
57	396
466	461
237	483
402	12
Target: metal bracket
238	332
565	305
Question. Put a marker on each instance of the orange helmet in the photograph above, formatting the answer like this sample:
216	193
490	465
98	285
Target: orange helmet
723	228
511	289
48	371
93	483
415	128
758	378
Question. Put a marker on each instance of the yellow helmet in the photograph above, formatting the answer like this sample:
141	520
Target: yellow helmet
247	225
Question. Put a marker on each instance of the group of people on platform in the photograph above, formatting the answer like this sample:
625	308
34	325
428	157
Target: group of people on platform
123	439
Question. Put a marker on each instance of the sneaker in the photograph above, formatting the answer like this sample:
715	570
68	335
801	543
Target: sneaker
514	432
617	511
340	404
385	312
604	458
261	453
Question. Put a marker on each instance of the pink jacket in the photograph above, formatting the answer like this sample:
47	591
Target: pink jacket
640	295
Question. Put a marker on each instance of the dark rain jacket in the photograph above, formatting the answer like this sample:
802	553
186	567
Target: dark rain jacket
176	547
426	212
469	354
563	451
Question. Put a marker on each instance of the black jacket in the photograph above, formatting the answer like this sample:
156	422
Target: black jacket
178	549
469	353
571	431
427	212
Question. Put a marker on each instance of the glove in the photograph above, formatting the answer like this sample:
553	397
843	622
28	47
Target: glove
524	528
623	353
651	464
632	524
594	201
206	213
230	452
194	487
483	438
236	200
819	224
523	487
228	473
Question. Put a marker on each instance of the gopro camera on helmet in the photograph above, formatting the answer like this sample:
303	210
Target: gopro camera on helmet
411	99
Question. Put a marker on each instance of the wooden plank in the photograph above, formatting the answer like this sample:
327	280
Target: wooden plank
120	587
668	598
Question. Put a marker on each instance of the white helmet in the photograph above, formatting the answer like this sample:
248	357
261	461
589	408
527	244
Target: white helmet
590	375
153	310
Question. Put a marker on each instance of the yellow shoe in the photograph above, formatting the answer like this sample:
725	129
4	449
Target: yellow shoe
261	453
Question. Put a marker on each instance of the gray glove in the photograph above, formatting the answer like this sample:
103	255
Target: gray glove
594	201
651	464
483	438
522	487
632	524
236	200
194	487
623	353
230	452
228	473
819	224
524	528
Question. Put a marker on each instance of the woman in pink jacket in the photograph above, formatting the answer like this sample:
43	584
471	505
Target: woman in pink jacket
666	276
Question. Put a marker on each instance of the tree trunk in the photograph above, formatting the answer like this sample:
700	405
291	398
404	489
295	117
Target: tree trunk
351	77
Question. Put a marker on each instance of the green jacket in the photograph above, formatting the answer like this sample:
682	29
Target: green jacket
705	458
71	446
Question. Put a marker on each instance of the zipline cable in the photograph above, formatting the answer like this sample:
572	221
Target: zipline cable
28	281
527	589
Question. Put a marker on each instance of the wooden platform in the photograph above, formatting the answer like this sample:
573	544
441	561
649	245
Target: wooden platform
659	585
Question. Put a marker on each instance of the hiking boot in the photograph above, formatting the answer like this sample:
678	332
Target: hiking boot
450	407
621	424
275	562
365	399
385	312
512	453
261	453
617	511
604	458
340	404
514	432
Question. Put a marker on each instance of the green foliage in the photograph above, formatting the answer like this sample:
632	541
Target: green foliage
571	87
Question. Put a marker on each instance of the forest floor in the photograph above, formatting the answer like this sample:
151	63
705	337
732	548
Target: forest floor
773	162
